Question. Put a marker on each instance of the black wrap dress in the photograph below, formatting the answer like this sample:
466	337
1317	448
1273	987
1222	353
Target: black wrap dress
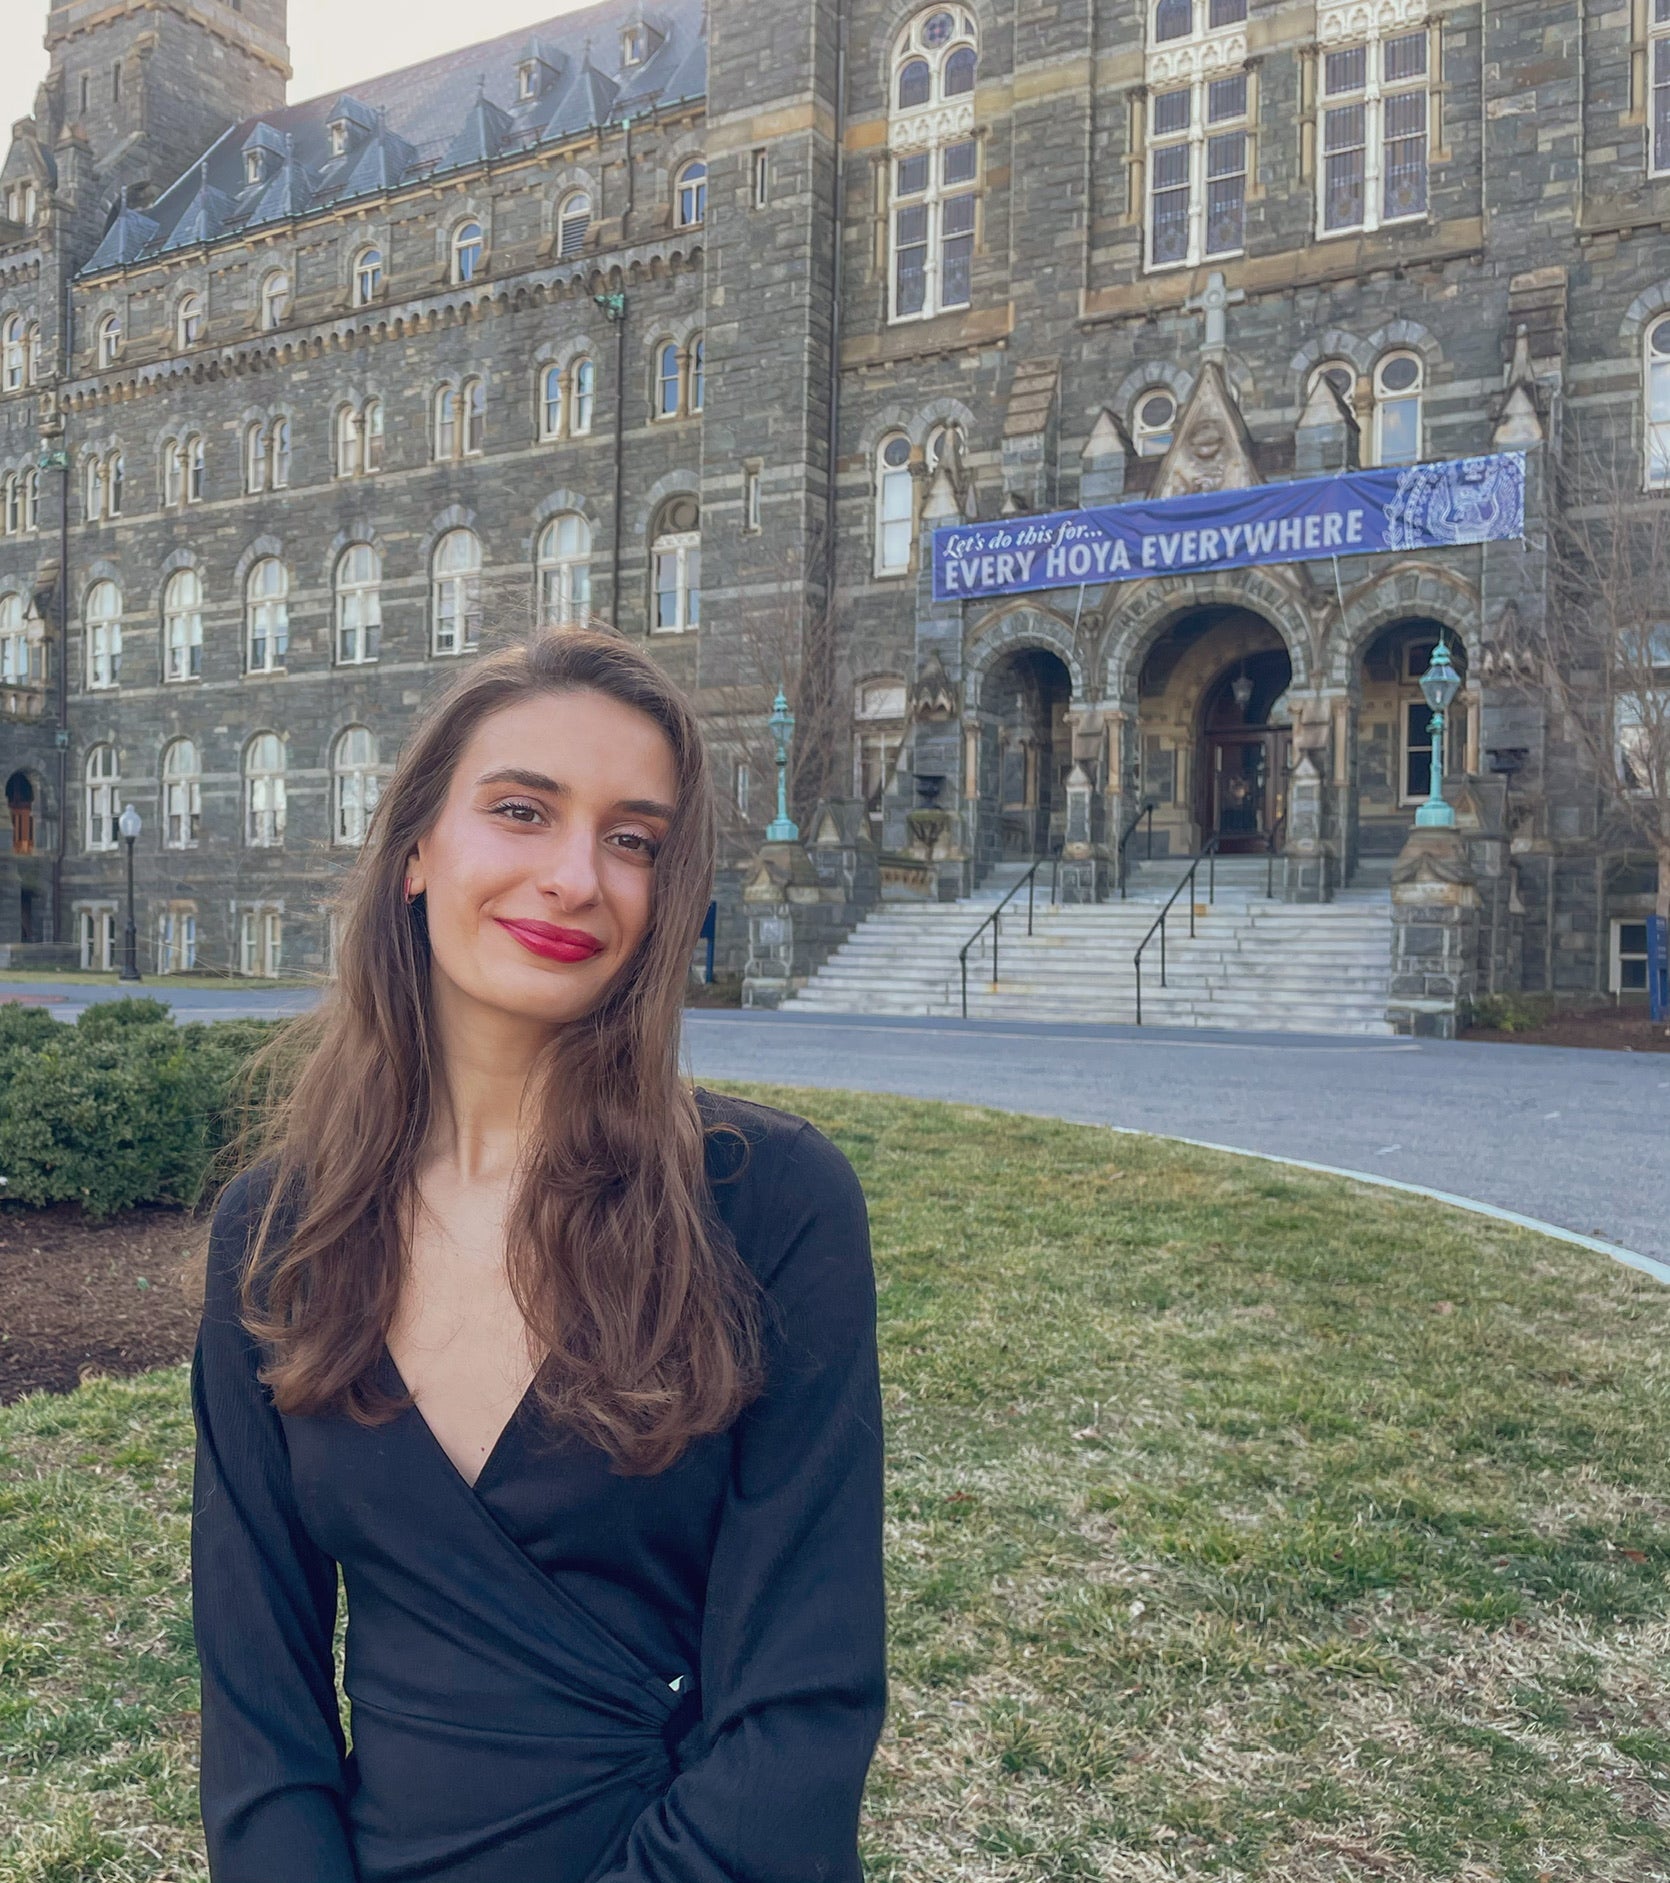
560	1675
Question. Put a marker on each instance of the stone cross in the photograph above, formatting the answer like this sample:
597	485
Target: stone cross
1215	302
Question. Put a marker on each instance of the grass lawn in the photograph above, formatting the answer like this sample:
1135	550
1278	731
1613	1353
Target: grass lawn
1244	1524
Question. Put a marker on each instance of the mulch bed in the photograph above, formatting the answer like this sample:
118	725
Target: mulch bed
80	1298
1619	1029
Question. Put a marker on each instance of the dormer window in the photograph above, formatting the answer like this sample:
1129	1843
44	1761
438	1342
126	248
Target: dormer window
252	166
337	132
527	79
634	45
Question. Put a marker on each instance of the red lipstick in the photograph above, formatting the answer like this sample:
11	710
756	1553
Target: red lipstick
553	943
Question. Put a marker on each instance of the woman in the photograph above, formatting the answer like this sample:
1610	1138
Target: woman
570	1369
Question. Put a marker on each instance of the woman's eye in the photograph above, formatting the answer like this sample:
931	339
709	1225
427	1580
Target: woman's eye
517	811
637	842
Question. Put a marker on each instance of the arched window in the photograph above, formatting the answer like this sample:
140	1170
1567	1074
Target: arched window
14	643
585	394
267	615
472	409
551	402
565	570
371	431
102	613
13	503
468	248
676	568
347	441
698	372
264	795
667	379
359	604
935	165
1658	402
13	353
1397	409
196	465
255	459
455	592
188	320
173	474
281	453
275	300
368	276
353	785
104	798
1341	375
182	796
445	412
110	339
94	489
895	505
113	481
182	626
690	194
1154	421
573	223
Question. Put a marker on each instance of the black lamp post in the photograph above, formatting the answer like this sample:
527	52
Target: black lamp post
129	825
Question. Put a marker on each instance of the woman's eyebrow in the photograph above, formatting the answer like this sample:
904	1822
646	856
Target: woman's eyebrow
537	781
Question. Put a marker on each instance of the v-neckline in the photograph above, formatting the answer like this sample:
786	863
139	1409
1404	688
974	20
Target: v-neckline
440	1450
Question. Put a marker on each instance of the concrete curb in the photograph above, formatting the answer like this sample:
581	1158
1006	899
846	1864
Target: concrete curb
1660	1271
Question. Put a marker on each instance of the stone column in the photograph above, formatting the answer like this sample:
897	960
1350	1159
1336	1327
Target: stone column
1435	935
1310	864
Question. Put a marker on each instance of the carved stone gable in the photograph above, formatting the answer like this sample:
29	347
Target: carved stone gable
1212	449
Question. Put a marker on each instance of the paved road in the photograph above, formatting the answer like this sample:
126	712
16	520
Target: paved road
1578	1139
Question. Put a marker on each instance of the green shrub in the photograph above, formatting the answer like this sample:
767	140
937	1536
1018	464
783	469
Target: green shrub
24	1026
121	1109
1509	1013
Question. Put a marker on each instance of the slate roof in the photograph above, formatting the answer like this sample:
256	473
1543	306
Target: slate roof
447	114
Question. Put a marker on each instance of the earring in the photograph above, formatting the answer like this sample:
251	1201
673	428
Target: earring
411	893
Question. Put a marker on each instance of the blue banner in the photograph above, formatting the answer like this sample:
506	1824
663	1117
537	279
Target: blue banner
1425	506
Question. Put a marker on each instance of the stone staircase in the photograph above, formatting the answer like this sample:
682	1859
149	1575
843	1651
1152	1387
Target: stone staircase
1254	965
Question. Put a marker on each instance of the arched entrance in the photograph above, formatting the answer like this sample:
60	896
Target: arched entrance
1394	736
20	803
1024	705
1213	729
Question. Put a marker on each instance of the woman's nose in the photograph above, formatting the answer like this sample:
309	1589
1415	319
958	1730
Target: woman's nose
568	866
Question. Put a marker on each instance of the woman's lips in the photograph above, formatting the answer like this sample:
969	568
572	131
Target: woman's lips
555	944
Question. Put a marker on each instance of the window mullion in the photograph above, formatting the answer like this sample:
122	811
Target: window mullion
1374	149
1197	170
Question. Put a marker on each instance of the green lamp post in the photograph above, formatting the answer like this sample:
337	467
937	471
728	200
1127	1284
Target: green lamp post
1440	684
782	828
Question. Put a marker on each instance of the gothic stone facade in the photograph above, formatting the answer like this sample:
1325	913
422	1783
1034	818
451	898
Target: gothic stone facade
699	319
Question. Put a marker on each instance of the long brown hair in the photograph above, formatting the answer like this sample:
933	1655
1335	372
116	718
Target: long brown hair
614	1255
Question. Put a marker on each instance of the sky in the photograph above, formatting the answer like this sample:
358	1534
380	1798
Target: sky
332	42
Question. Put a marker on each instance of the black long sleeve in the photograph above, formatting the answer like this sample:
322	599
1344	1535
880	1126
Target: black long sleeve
793	1648
264	1611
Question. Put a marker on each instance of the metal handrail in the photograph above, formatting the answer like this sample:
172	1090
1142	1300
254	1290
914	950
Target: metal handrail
1274	840
1208	856
994	924
1147	812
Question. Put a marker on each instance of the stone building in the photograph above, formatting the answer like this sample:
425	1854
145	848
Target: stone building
699	318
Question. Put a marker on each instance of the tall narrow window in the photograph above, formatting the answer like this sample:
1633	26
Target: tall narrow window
267	614
359	605
281	453
94	493
13	354
565	570
762	178
895	505
1199	135
368	276
275	300
255	460
348	441
751	476
472	403
698	372
31	500
585	390
353	785
468	249
935	165
1658	134
260	944
1397	409
195	470
103	615
1658	404
667	379
188	321
32	353
690	194
115	476
176	940
14	647
446	423
264	792
371	432
103	798
110	339
173	474
182	626
573	223
551	402
676	568
455	593
1375	109
182	795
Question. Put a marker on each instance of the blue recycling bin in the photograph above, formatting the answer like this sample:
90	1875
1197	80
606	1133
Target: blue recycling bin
1658	966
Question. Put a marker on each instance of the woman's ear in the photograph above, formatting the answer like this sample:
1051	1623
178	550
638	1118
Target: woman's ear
414	877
